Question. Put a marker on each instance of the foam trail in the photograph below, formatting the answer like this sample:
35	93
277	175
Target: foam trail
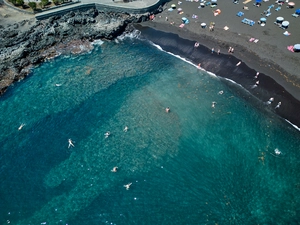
183	59
297	128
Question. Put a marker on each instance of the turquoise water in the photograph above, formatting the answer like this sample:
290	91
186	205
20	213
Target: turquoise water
194	165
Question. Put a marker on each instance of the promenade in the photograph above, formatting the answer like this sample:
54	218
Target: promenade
134	7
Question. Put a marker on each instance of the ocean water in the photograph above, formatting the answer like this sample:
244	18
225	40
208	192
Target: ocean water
197	164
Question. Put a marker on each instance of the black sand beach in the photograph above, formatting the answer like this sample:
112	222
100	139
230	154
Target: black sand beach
224	65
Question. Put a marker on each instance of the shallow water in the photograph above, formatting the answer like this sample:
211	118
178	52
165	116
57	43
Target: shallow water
194	165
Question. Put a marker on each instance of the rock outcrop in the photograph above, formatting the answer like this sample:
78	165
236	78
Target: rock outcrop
21	49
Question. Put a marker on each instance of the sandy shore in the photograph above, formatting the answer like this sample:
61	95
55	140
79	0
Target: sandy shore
269	55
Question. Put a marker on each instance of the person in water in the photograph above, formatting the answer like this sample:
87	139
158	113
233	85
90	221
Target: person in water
70	143
21	126
167	110
125	129
107	134
127	186
115	169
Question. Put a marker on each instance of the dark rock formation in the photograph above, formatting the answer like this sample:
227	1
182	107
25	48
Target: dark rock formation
21	49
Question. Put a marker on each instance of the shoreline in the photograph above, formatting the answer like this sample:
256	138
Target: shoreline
224	65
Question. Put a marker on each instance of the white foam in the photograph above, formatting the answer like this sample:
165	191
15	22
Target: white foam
131	35
183	59
297	128
97	42
212	74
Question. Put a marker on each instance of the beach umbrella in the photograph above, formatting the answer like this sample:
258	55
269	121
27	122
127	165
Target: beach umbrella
291	4
297	11
258	1
279	19
263	19
285	23
203	25
214	1
173	6
297	47
184	19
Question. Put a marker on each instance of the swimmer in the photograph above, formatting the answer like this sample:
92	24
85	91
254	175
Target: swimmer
58	85
70	143
115	169
220	92
257	82
125	129
167	110
229	50
107	134
127	186
278	105
196	45
219	51
277	152
256	76
199	65
213	104
21	126
239	63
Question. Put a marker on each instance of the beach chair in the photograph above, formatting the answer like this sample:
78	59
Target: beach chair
271	6
295	15
207	3
251	23
268	14
239	14
278	8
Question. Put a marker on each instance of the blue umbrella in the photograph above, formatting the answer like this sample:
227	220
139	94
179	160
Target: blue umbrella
258	1
263	19
297	11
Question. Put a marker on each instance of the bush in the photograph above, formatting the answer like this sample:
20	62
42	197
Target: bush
19	2
32	5
56	2
43	3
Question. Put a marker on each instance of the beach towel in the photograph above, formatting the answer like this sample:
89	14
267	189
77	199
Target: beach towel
256	40
181	25
290	48
251	39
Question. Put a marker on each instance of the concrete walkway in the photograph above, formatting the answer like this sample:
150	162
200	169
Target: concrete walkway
134	7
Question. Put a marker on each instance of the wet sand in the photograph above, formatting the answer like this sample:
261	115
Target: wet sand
279	77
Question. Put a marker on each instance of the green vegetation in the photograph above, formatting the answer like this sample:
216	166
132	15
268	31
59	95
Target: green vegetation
57	2
32	5
43	3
